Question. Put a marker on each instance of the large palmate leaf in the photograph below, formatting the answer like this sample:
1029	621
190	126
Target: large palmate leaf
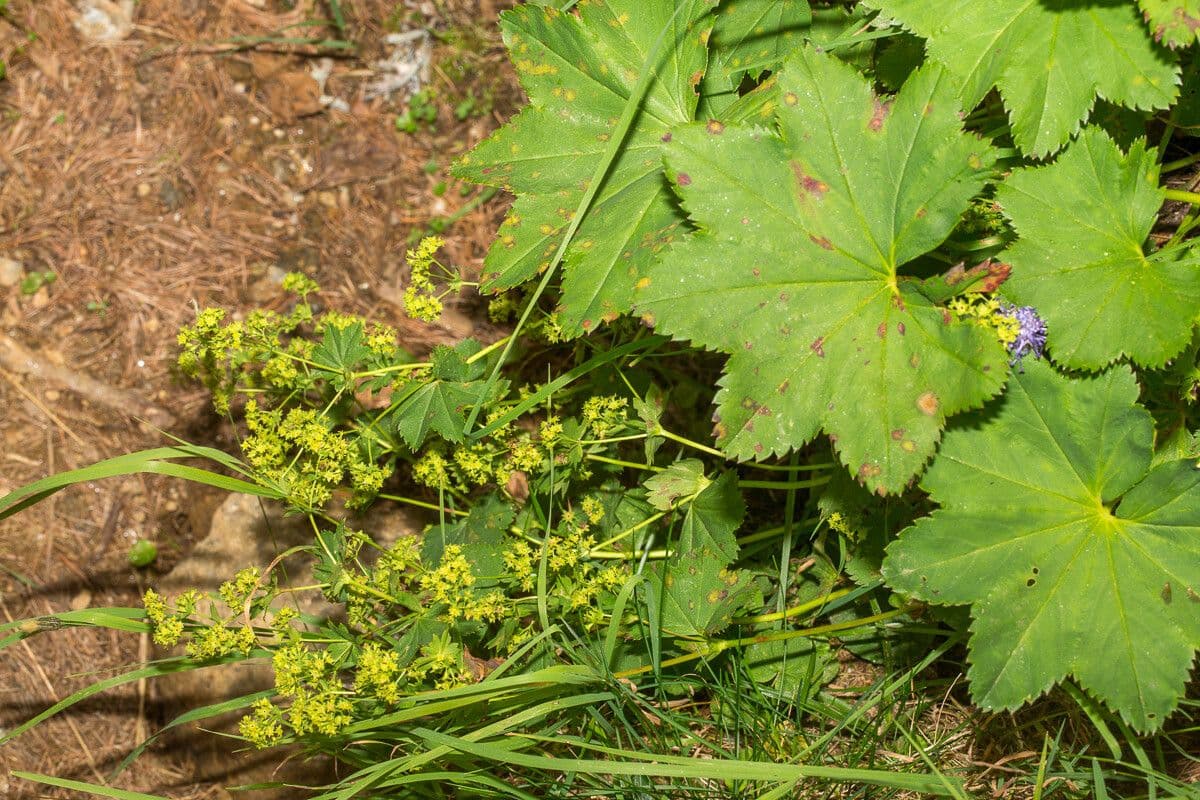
1175	23
796	270
1082	260
1050	60
1075	558
578	71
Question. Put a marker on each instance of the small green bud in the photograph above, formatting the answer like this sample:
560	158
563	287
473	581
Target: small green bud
143	553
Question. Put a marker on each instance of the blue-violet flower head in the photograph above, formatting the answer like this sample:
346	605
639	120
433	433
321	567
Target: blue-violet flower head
1031	338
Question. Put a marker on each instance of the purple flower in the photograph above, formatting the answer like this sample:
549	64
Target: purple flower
1031	338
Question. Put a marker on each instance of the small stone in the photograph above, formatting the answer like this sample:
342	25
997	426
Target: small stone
53	395
143	189
170	506
81	600
11	272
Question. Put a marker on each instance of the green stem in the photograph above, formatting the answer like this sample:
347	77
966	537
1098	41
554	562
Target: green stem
1184	197
422	504
794	611
489	349
1171	166
618	462
785	485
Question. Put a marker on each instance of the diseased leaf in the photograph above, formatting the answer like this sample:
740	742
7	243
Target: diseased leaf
578	71
796	269
1175	23
1075	560
1082	259
750	37
1049	60
698	596
681	479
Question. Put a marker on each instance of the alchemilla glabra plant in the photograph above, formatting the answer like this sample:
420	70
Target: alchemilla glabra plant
914	253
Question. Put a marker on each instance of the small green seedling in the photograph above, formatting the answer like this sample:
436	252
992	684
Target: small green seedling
421	112
34	281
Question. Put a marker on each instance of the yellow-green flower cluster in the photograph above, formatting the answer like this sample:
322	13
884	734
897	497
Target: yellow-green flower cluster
520	562
393	573
603	414
300	284
218	640
420	298
450	582
319	701
440	661
168	628
237	591
263	726
378	673
300	453
985	310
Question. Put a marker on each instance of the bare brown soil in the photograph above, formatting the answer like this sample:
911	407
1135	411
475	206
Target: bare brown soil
189	164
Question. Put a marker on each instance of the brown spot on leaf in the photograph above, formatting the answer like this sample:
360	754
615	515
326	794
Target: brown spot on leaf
908	446
758	448
790	99
783	387
683	179
1166	593
818	346
869	470
715	127
898	434
808	184
1195	598
821	241
666	137
997	273
928	403
587	324
898	302
914	361
756	272
881	330
900	328
879	115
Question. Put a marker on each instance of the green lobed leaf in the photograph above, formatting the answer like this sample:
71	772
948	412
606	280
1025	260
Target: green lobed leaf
1049	60
681	479
1075	559
342	349
437	407
1082	259
796	270
578	71
713	518
1175	23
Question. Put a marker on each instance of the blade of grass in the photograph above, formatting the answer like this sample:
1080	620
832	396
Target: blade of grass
158	461
165	667
661	766
89	788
